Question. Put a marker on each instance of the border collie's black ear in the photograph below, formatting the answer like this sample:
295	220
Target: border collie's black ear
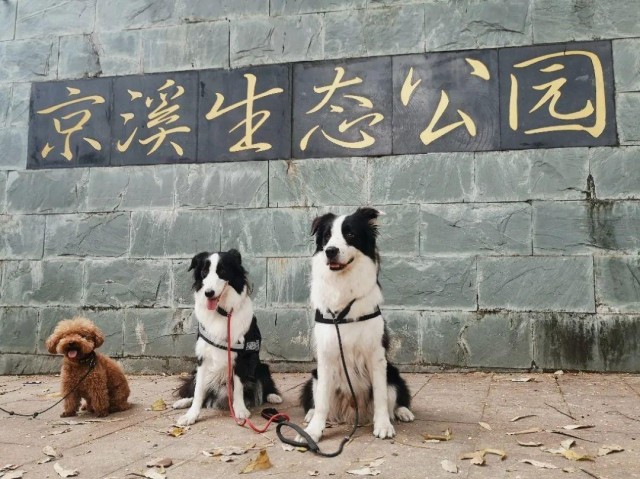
370	214
319	221
234	253
198	259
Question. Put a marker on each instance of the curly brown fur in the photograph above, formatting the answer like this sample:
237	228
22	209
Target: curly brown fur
105	389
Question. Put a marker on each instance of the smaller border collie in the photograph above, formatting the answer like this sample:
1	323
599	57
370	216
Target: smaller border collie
220	284
344	285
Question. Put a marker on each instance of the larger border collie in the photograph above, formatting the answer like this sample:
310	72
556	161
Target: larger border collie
344	287
221	287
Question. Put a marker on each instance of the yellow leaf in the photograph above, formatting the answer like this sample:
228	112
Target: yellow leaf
260	463
574	456
485	425
159	405
176	431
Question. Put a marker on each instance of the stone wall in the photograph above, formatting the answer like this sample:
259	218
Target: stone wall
499	259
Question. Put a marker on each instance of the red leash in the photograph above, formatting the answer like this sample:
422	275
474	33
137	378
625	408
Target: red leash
244	422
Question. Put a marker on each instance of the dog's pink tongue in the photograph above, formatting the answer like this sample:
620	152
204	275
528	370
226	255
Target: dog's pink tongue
212	304
72	353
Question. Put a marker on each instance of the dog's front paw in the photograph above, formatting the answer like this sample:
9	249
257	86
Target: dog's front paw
187	419
183	403
242	412
68	414
315	434
383	429
274	399
403	414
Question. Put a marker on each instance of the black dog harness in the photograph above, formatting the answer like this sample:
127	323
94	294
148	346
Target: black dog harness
341	317
251	341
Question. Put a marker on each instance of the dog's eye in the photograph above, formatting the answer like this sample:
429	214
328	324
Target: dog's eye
349	235
204	273
327	236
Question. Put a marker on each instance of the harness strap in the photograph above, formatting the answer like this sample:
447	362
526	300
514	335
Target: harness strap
238	348
341	317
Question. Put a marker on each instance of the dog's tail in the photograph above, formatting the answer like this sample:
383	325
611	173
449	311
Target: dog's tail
188	387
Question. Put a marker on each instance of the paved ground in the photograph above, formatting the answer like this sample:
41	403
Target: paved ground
121	446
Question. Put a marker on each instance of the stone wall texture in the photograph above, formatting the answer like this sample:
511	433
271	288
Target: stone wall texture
513	259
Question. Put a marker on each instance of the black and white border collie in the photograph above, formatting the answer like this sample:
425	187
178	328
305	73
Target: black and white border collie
344	272
220	284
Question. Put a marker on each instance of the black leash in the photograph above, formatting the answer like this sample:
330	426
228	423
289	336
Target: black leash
92	364
311	445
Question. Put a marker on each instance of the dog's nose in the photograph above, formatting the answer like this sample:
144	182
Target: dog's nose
210	293
331	252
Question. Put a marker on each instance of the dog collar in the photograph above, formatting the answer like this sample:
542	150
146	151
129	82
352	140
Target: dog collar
252	339
341	317
89	359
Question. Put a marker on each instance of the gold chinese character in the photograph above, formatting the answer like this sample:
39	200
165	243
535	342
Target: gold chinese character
81	118
363	102
554	92
246	142
431	133
164	113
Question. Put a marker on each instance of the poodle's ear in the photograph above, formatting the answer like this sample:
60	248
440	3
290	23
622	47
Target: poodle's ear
235	254
52	342
98	337
198	259
321	220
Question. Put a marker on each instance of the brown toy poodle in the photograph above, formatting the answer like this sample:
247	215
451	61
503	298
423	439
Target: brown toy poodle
105	387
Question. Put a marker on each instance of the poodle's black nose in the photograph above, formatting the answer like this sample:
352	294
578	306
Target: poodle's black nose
210	293
331	252
73	345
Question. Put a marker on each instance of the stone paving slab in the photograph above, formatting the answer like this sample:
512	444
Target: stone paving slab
120	446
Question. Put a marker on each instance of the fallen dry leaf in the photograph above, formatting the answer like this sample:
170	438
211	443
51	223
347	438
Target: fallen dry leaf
447	436
60	431
176	431
559	372
160	462
32	382
44	460
62	472
574	456
49	451
376	463
569	469
522	380
525	431
478	457
517	418
229	451
485	425
155	474
530	444
8	467
226	458
543	465
449	466
572	427
260	463
313	473
608	449
567	443
365	471
287	447
14	474
159	405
